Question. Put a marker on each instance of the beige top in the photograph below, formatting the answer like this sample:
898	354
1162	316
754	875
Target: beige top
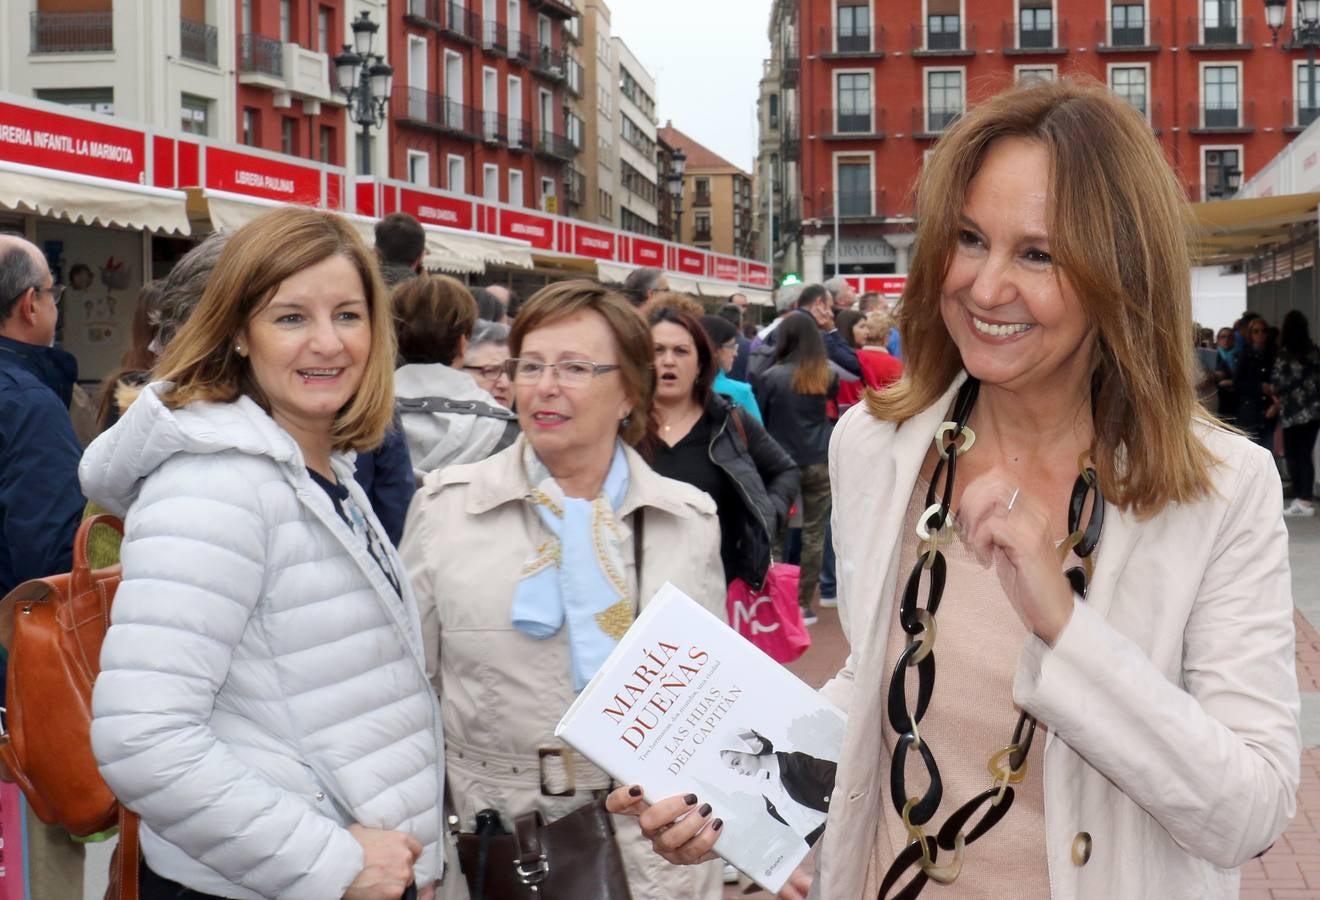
971	715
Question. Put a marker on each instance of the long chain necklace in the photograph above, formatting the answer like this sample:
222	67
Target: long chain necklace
1007	766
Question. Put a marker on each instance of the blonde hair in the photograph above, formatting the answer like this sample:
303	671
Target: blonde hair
200	361
878	324
1117	225
632	338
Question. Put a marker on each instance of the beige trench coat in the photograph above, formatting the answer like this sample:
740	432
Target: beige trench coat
469	531
1171	696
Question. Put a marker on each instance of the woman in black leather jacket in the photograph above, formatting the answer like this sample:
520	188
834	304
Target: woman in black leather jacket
702	438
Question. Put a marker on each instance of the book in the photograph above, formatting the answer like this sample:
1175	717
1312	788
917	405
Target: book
685	704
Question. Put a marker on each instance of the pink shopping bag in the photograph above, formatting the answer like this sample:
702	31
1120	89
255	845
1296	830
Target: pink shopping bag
771	618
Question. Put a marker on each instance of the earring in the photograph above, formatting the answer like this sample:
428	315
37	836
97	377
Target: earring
625	422
238	348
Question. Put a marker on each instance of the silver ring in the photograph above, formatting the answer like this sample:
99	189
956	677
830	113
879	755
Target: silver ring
1012	500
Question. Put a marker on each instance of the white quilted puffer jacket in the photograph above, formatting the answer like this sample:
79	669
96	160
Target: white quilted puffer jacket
262	684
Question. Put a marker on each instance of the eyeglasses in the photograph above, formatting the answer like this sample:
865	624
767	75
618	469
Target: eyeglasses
56	291
569	372
490	373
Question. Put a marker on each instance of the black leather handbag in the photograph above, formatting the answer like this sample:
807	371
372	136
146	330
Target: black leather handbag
572	858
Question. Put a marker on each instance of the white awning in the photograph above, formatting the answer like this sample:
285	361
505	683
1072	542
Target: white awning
681	283
454	250
757	298
230	212
613	271
720	289
88	200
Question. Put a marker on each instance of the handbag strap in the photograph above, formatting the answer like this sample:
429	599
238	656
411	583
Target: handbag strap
530	863
129	854
446	405
638	529
738	425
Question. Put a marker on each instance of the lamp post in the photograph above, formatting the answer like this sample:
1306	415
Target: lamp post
677	163
1305	33
364	78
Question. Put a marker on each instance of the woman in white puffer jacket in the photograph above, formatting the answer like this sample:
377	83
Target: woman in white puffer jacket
263	702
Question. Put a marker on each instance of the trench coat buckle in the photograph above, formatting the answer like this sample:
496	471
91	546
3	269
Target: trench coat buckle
565	755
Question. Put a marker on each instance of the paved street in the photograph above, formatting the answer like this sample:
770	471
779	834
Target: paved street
1291	869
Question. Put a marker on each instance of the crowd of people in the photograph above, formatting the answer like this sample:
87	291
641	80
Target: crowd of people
382	527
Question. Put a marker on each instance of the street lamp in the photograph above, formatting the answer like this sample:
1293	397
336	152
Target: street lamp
677	163
1305	33
364	79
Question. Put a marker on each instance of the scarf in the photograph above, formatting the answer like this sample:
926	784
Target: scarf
577	576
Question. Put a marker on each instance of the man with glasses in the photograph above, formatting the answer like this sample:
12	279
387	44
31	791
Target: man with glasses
40	500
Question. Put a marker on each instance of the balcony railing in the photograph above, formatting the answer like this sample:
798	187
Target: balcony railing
494	36
260	55
791	138
199	42
852	204
791	64
1221	31
862	44
72	32
942	43
549	62
1111	36
839	123
1297	115
429	13
933	120
520	47
519	134
436	112
701	235
1019	40
562	8
701	198
461	22
548	143
494	127
1222	116
575	186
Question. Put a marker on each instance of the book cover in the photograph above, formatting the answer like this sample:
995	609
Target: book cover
685	704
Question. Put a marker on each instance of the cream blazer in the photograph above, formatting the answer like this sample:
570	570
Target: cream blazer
1170	697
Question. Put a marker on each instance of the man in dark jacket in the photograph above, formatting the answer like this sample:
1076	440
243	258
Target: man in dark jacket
815	301
40	501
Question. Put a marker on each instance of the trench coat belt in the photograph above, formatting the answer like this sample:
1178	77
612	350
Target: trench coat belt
558	770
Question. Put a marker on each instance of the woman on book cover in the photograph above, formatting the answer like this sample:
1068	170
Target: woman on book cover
530	565
1114	712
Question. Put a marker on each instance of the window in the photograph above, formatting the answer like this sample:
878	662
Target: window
245	16
701	191
289	136
490	187
604	101
515	110
97	100
194	114
1129	25
854	111
701	227
323	30
944	99
456	176
327	154
636	183
1129	82
1035	24
419	168
606	204
286	20
631	132
574	129
1035	73
549	199
1219	19
774	110
853	31
943	25
774	171
1220	162
1306	100
1219	90
251	127
516	197
629	87
855	187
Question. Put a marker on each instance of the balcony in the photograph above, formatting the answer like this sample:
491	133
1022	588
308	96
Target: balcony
1219	33
549	62
1120	37
494	127
72	32
1298	115
564	9
461	23
424	109
199	42
701	198
554	146
790	214
1035	41
791	64
519	136
837	124
942	43
701	235
575	76
928	124
520	47
424	13
791	138
494	36
849	46
853	205
1222	118
260	61
575	186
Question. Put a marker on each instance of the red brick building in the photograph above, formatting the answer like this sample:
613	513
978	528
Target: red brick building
478	105
879	80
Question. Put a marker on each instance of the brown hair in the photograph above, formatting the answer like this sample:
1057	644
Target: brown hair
676	315
200	360
432	315
671	300
632	338
137	357
798	344
1117	220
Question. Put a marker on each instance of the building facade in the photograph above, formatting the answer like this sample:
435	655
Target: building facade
600	161
778	200
880	81
635	142
479	99
717	199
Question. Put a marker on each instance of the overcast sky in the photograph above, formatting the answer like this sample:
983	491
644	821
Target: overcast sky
706	58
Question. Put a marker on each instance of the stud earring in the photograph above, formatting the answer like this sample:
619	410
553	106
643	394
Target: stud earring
238	348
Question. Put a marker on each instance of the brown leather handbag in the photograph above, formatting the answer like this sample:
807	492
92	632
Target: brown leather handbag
572	858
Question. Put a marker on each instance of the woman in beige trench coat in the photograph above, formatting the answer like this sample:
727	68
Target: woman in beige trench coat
478	534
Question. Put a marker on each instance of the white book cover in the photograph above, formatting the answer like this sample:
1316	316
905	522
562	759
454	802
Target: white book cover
685	704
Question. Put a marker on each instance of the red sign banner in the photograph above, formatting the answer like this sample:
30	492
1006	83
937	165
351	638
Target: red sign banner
691	262
256	176
726	269
756	274
888	285
593	242
435	209
539	230
648	253
35	137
